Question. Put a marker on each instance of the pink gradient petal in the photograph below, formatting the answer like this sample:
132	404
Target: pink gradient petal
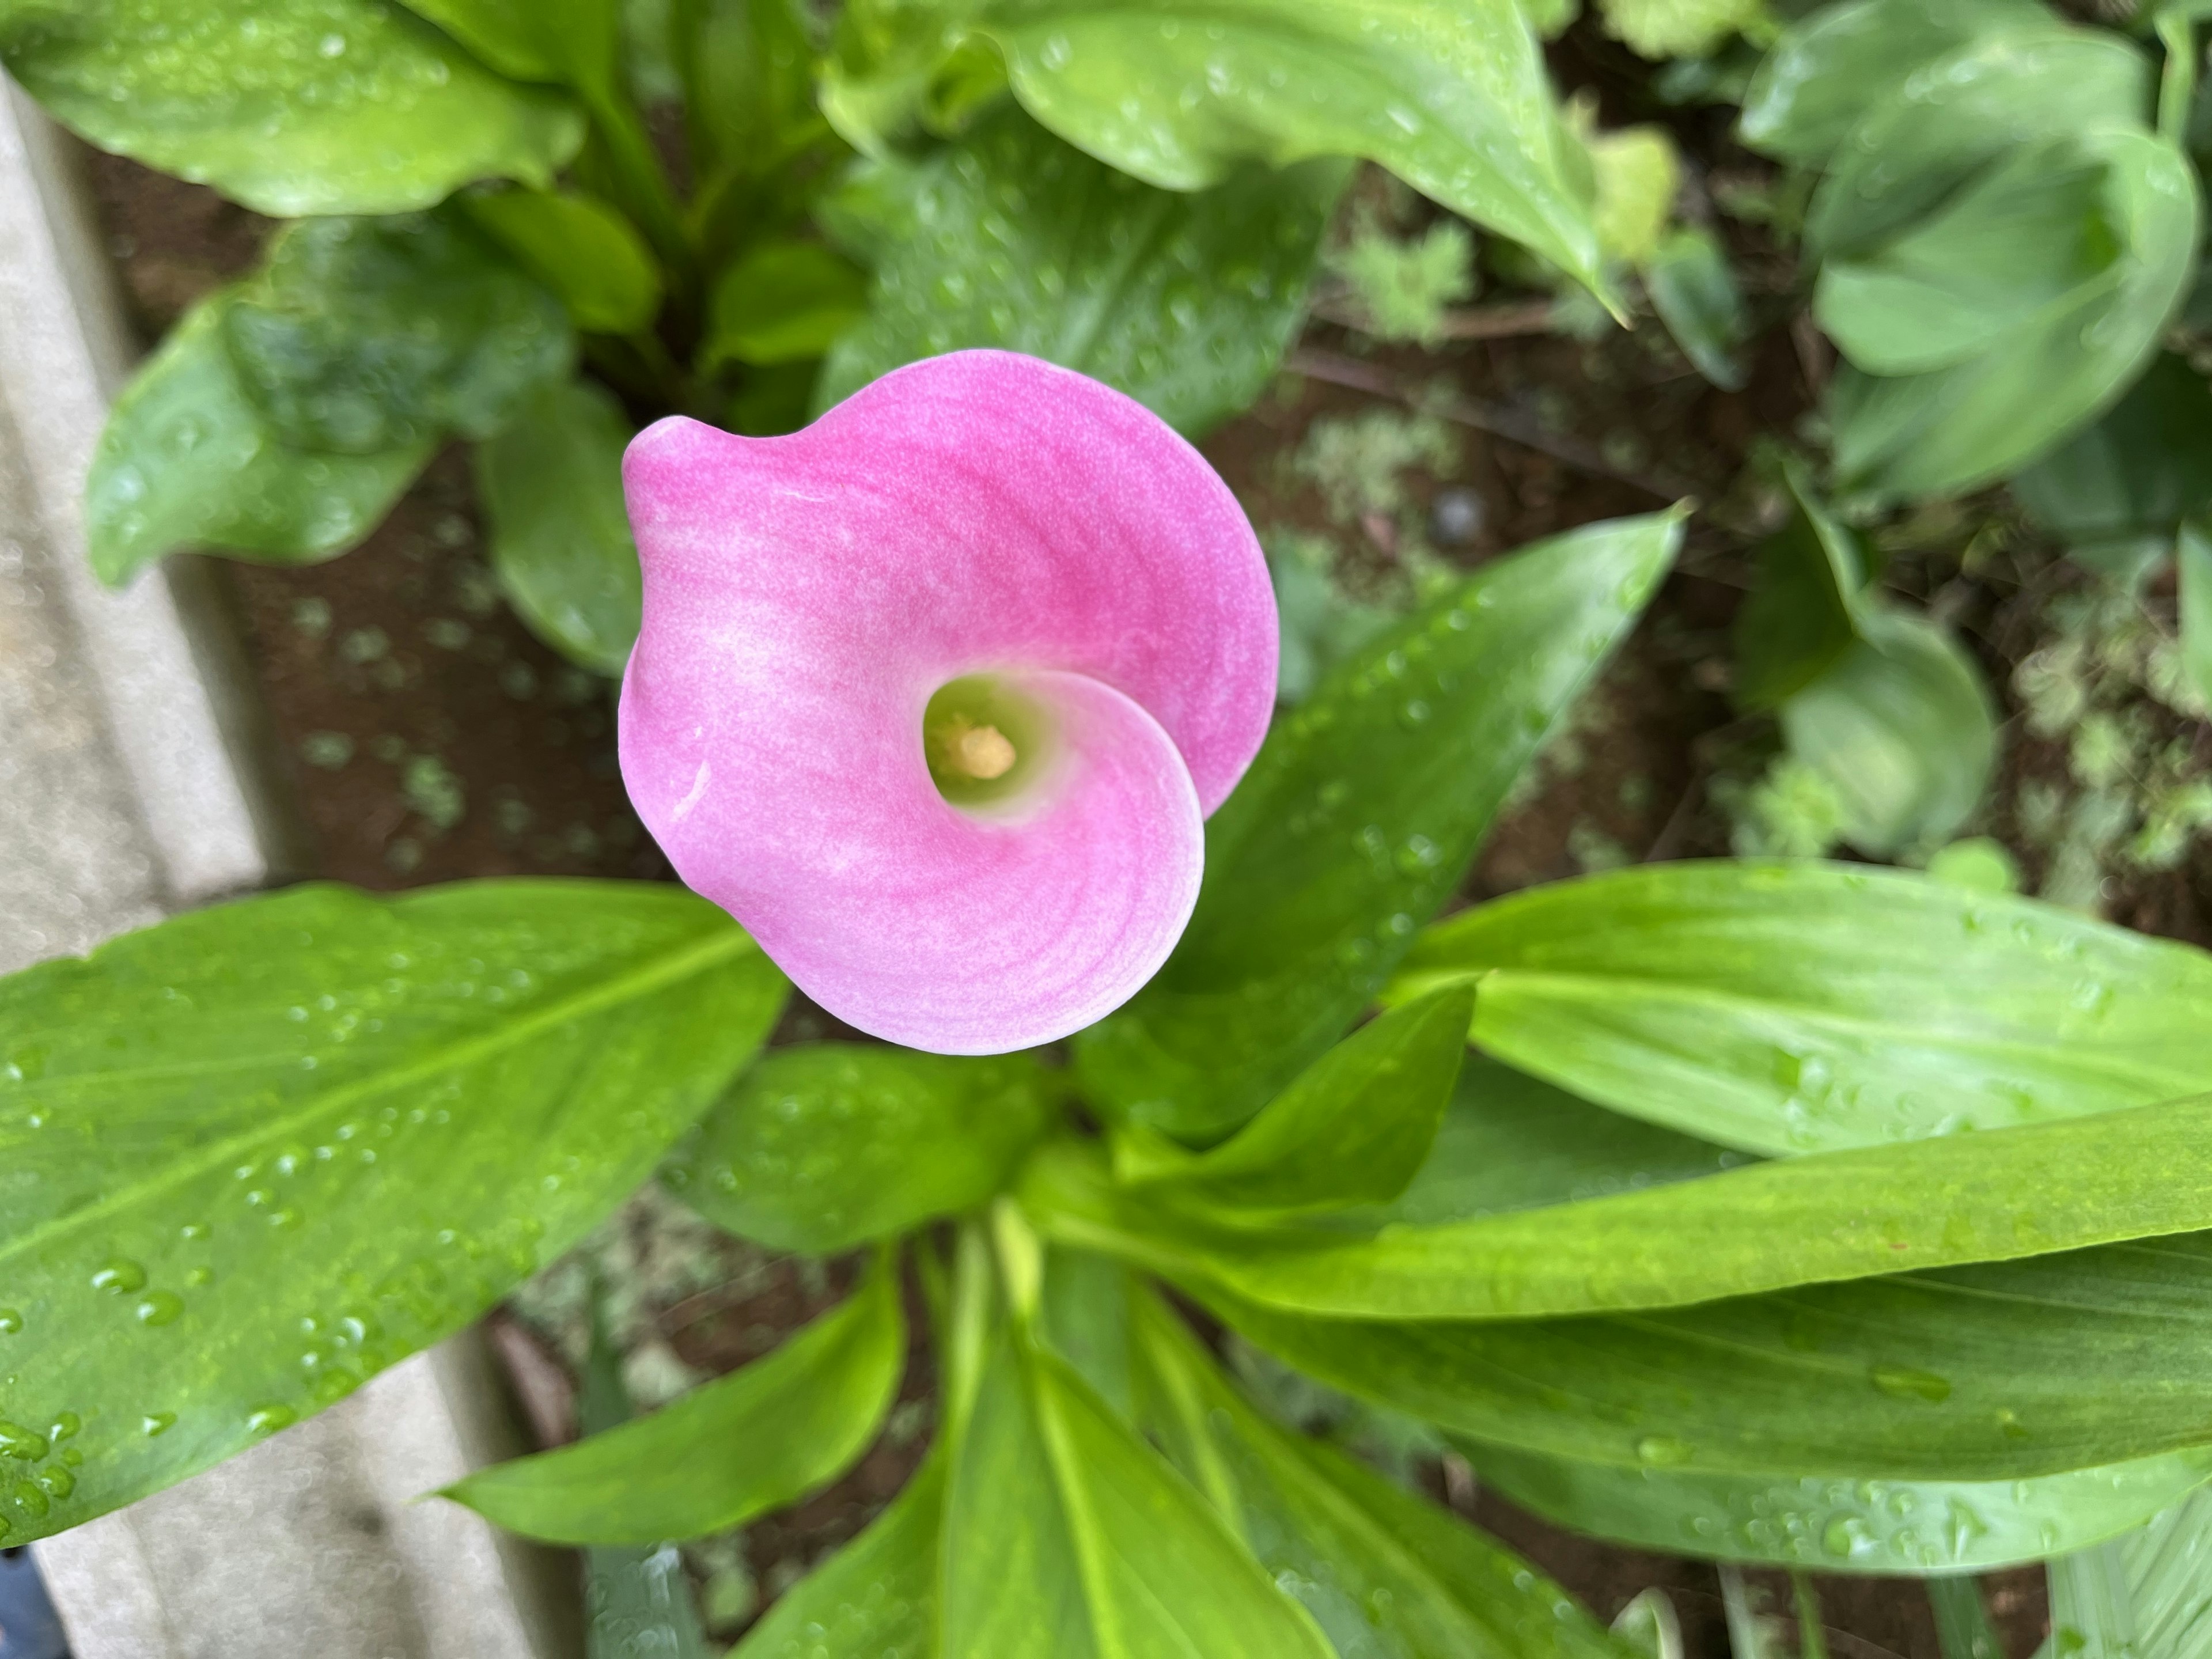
804	595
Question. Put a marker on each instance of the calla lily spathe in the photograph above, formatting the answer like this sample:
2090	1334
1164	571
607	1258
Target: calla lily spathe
983	520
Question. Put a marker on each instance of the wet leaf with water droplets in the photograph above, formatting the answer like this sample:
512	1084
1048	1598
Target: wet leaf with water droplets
191	1274
1794	1006
1185	302
188	459
1350	829
291	107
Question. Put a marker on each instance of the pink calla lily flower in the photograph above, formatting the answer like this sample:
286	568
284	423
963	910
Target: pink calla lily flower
934	695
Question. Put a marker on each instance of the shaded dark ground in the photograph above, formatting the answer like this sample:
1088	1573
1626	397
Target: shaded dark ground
429	737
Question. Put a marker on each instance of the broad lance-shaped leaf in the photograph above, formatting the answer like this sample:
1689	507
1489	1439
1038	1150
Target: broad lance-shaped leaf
291	107
1354	1128
761	1437
875	1597
1841	1215
1903	729
1787	1007
1364	1556
825	1146
255	1154
1450	95
1840	1525
1996	1372
1695	293
1821	76
363	335
579	247
1067	1536
188	459
1361	813
1014	239
1804	614
552	488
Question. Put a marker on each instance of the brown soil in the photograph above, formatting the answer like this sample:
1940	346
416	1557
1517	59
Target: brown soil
429	737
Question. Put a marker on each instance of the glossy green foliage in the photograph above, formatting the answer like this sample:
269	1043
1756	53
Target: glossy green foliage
1803	616
1013	238
1354	1128
550	485
188	459
367	335
255	1154
1449	94
1379	1569
2138	474
291	107
762	1436
2001	239
1995	1373
1813	88
572	41
1842	1525
1067	1536
1362	813
824	1146
1828	1215
1903	729
783	303
1695	293
579	248
1792	1007
2151	1585
876	1596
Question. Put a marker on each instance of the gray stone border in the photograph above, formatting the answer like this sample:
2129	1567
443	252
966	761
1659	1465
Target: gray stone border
135	781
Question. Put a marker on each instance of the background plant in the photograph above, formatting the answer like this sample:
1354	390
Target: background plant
1713	1106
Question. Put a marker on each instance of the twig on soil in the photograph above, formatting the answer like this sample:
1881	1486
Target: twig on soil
1499	423
1498	322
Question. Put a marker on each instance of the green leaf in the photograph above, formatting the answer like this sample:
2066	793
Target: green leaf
574	41
2017	240
1803	616
255	1154
1843	1526
1929	135
579	248
1013	238
1084	1313
2158	1575
2195	556
1790	1007
187	459
1829	68
825	1146
1362	813
875	1597
552	488
1997	1372
2092	1612
1355	1128
1379	1569
1450	95
1694	291
1922	222
1963	1627
1068	1537
1903	728
367	335
290	106
2136	475
783	303
755	1440
748	72
1839	1215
